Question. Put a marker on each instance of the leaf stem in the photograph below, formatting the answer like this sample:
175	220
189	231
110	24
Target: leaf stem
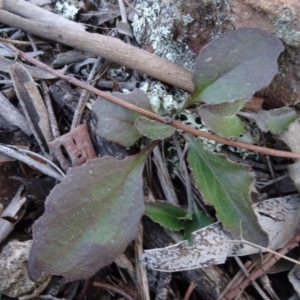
297	262
178	125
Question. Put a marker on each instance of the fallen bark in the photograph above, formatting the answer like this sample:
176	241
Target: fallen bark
30	11
108	47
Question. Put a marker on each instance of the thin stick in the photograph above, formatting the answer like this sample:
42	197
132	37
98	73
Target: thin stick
189	291
72	34
128	4
141	272
246	274
178	125
84	289
84	95
19	42
164	177
263	268
186	177
122	11
113	288
31	162
47	100
51	114
266	250
40	157
237	279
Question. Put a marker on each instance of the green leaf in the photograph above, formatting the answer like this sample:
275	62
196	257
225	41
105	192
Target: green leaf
153	129
166	214
221	117
199	220
279	119
226	186
89	219
116	123
235	65
275	120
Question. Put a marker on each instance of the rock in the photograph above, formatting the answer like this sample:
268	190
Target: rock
15	281
211	18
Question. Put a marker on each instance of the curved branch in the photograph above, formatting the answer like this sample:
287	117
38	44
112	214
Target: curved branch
178	125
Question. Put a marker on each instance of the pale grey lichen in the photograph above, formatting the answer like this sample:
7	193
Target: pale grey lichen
148	13
68	9
166	102
286	24
164	45
187	19
155	24
119	71
162	101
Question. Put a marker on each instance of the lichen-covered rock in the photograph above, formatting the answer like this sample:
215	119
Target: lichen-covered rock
154	30
211	18
15	281
166	27
283	15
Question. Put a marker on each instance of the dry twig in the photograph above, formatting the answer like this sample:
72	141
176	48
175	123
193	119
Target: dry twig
176	124
189	291
263	268
46	24
113	288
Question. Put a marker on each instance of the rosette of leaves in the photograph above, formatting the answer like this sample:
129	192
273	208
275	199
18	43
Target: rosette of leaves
83	227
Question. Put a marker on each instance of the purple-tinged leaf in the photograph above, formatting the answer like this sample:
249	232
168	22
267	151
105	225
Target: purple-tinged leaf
116	123
235	65
90	218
